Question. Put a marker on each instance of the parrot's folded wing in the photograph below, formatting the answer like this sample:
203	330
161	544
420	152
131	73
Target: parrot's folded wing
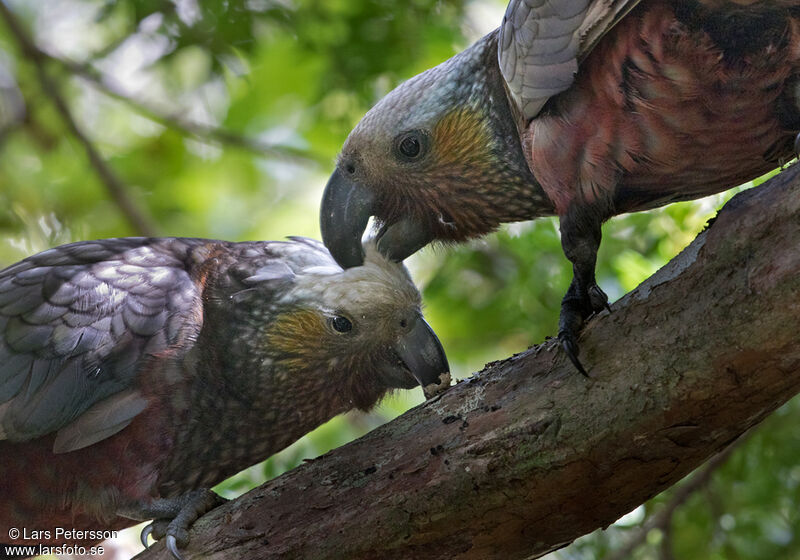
76	325
541	43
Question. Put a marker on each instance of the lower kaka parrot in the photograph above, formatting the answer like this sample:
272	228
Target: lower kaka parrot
583	109
137	373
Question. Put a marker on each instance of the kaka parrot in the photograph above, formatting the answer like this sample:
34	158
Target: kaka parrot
583	109
137	373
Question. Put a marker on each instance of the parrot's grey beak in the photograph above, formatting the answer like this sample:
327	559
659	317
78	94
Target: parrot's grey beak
343	216
345	211
423	355
402	239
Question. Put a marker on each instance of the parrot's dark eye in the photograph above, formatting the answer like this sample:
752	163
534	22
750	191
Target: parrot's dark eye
411	145
341	324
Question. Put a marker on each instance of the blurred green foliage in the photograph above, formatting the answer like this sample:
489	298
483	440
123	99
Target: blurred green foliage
297	75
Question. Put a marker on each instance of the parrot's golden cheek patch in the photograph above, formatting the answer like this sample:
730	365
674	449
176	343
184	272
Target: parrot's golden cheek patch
450	193
307	351
462	144
298	338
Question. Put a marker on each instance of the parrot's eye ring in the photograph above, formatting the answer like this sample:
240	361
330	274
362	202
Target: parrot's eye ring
411	145
341	324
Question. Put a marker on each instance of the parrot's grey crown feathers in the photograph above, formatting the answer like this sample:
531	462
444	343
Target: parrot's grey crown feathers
378	279
420	101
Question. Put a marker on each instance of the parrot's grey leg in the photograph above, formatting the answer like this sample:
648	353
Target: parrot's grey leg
580	239
172	517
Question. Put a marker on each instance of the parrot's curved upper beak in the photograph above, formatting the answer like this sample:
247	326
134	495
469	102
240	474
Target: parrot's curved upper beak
423	355
344	213
343	216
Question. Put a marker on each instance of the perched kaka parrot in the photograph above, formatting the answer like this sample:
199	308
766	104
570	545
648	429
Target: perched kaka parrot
137	373
583	109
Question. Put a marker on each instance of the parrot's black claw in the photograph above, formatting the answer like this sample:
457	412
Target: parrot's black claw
195	504
172	546
570	347
145	534
157	529
573	313
177	536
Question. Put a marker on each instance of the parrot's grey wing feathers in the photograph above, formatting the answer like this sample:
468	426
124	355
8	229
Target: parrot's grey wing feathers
78	322
542	41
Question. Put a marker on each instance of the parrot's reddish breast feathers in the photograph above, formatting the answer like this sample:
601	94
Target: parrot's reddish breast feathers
659	107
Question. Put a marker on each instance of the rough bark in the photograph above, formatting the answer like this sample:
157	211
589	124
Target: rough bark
528	455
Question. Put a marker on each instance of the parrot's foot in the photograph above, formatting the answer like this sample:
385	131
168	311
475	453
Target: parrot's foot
575	309
598	300
570	347
172	517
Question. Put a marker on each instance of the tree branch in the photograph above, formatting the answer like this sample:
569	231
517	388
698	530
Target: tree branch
528	455
662	519
140	222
